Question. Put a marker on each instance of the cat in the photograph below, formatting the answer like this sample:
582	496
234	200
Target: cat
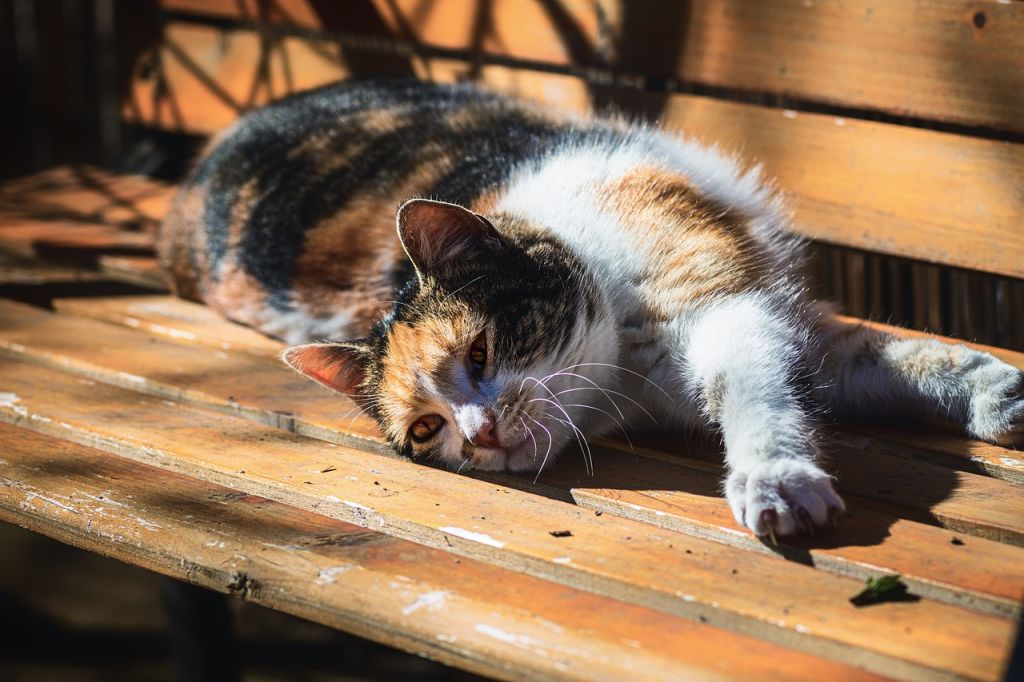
551	278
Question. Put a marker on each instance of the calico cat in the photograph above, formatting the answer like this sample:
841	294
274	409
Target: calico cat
550	279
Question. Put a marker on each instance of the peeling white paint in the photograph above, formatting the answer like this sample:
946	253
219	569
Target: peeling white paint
134	378
470	535
219	544
173	333
132	322
1011	462
148	525
446	638
561	560
49	500
354	505
331	498
9	399
328	575
802	629
431	601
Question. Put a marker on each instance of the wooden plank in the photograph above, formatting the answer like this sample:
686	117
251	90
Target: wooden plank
463	612
38	274
773	599
187	322
955	61
57	240
141	270
867	185
965	502
679	495
176	319
882	476
941	444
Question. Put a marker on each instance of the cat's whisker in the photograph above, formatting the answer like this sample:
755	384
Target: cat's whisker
472	281
618	393
551	441
464	463
532	437
563	410
623	369
588	456
563	373
610	416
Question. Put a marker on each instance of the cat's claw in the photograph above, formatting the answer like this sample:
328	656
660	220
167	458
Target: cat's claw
783	497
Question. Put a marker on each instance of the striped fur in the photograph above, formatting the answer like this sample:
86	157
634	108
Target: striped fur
561	279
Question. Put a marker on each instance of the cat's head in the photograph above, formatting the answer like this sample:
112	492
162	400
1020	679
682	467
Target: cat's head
490	355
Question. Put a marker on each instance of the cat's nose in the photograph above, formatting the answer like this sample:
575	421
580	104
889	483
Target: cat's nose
477	425
487	434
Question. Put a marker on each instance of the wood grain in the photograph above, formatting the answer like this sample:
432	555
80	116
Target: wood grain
776	600
175	319
463	612
959	61
861	184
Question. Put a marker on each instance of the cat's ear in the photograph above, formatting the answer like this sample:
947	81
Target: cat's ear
338	366
435	233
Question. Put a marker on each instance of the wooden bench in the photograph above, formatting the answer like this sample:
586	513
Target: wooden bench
149	429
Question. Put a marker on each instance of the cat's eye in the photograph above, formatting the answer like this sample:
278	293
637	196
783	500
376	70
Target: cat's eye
425	428
478	352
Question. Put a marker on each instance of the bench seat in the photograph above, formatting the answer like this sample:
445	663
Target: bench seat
150	429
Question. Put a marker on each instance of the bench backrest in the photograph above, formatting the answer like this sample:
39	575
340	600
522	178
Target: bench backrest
896	128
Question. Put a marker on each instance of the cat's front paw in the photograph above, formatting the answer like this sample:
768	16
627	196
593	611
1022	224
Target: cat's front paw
782	497
997	400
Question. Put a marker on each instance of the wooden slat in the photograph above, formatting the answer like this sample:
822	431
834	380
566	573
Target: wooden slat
873	186
141	270
776	600
922	553
175	319
960	61
463	612
184	321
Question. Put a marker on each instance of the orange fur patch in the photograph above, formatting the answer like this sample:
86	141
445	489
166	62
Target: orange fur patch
695	248
432	348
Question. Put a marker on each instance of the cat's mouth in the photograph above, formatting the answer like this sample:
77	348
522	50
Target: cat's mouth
522	451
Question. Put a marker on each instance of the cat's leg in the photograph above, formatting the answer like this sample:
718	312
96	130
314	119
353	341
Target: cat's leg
740	357
867	372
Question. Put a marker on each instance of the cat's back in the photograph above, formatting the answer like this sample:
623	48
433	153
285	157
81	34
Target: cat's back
292	207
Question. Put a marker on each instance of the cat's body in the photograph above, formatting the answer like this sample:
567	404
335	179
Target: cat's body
604	275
